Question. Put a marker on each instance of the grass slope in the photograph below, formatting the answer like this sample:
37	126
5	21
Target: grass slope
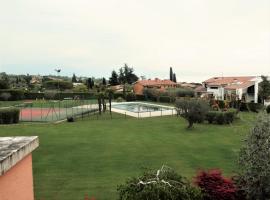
94	156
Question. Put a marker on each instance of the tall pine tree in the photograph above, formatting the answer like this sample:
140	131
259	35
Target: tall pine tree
171	74
114	78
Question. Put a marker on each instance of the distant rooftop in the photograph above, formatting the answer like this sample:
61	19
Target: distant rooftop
156	81
216	81
14	149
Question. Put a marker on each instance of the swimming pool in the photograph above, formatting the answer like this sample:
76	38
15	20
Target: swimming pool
139	109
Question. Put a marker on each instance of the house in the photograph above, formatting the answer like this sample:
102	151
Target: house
139	86
16	175
227	88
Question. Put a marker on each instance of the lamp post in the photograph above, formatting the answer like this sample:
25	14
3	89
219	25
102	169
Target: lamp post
58	74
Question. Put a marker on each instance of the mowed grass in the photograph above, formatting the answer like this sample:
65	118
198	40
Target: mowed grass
94	156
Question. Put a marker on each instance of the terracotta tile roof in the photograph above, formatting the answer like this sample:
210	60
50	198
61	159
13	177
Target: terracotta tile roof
156	82
200	89
216	81
237	86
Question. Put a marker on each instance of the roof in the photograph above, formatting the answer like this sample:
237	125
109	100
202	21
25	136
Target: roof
200	89
14	149
217	81
156	82
241	85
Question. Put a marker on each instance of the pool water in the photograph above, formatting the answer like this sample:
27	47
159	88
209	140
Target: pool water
139	107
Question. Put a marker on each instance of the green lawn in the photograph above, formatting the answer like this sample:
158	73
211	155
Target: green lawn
94	156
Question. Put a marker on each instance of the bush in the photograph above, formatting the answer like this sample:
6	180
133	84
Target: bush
211	117
215	187
166	99
9	115
163	184
140	97
116	95
63	85
268	109
5	96
14	94
254	107
120	99
221	117
130	97
243	106
254	176
70	119
193	110
221	104
183	92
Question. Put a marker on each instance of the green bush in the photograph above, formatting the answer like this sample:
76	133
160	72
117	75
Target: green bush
221	104
211	117
220	117
63	85
14	94
268	109
242	106
163	184
9	115
116	95
140	97
181	92
130	96
166	99
254	107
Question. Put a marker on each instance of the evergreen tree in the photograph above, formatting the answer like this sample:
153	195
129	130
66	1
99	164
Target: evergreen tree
264	88
114	78
104	82
171	74
4	81
174	78
121	76
74	78
89	83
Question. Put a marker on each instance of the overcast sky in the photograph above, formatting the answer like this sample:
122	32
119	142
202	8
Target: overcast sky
198	38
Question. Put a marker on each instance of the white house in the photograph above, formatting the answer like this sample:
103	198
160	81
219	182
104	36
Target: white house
242	87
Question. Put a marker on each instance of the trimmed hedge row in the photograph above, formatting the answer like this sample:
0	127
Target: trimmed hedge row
55	95
9	115
12	94
220	117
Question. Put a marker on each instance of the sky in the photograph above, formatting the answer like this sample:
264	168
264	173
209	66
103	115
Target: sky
198	38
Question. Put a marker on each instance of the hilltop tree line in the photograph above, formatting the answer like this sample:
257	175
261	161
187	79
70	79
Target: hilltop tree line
125	75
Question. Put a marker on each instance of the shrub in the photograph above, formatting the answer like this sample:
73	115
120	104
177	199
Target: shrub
243	106
116	95
5	96
166	99
140	97
9	115
254	176
120	99
216	187
158	185
130	96
230	115
268	109
254	107
14	94
70	119
184	92
220	118
63	85
211	116
193	110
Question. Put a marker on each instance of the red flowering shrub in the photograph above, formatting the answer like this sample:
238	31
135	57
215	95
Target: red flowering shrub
216	187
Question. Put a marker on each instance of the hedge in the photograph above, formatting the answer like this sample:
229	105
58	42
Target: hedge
9	115
220	117
166	99
15	94
130	97
140	97
254	107
268	109
55	95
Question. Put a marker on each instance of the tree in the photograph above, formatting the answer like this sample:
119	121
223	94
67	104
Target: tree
193	110
28	79
254	162
171	74
174	78
114	78
89	83
163	184
264	88
74	78
122	78
126	75
104	82
4	81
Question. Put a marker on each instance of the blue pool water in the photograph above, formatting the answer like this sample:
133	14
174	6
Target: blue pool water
139	107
